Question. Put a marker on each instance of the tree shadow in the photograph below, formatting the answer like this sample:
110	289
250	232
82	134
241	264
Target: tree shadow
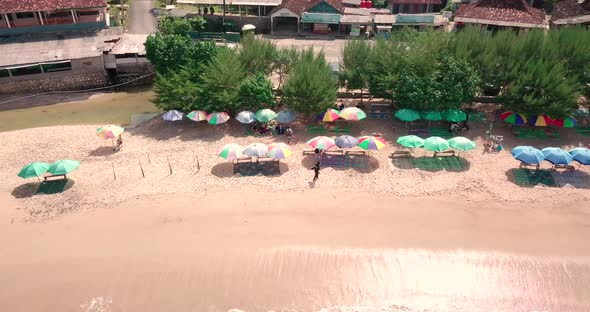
102	151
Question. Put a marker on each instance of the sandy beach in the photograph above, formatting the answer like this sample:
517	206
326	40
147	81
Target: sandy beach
202	239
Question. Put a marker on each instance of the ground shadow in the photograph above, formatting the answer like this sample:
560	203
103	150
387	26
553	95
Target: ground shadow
576	179
265	168
186	130
367	165
25	190
30	189
223	170
530	178
448	163
102	151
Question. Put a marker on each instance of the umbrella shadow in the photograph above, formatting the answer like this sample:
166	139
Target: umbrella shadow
529	178
448	163
102	151
404	163
25	190
50	187
223	170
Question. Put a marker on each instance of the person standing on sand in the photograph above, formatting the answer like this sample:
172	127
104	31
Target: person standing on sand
316	169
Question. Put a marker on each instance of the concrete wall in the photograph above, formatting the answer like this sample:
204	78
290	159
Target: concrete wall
262	24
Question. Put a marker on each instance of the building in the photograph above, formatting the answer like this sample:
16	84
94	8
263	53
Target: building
501	13
34	16
571	12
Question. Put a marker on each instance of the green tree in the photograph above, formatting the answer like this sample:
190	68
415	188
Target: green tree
256	93
168	52
384	67
311	88
417	92
284	63
257	55
221	80
178	90
174	26
354	68
457	83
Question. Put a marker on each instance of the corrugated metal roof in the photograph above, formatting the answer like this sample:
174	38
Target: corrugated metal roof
385	19
14	6
357	11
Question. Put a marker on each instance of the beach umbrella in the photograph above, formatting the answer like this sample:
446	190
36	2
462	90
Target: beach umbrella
322	142
279	151
513	118
230	151
407	115
256	150
197	115
557	156
528	154
540	120
246	117
63	166
34	169
568	122
371	143
433	116
329	115
173	115
436	144
286	116
454	115
581	155
265	115
248	27
346	141
217	118
352	113
109	131
461	143
411	141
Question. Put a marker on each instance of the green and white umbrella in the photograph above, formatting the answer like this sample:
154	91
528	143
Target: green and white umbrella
217	118
411	141
230	151
63	166
407	115
265	115
461	143
34	169
433	116
436	144
454	115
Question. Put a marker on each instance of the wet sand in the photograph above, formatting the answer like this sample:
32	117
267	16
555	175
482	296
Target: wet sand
312	250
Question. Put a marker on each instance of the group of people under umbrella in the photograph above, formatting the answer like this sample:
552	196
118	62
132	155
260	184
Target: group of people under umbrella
529	155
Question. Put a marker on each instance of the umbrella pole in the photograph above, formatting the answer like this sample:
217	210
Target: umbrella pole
113	141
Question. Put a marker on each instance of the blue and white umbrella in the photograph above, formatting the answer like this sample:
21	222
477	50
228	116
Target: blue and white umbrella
245	117
173	115
256	150
528	154
346	141
286	116
581	155
557	156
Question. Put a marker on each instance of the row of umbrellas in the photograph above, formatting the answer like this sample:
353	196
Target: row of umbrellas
554	155
234	151
213	118
369	143
37	168
436	144
537	120
349	113
409	115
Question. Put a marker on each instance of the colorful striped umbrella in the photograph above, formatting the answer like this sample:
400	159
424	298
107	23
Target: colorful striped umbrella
371	143
286	116
346	141
568	122
454	115
63	166
528	154
230	151
411	141
461	143
246	117
33	169
540	121
513	118
407	115
436	144
433	116
557	156
352	113
217	118
581	155
173	115
197	115
279	151
256	150
109	131
321	142
265	115
329	115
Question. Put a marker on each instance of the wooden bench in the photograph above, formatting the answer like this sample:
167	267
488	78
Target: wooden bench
400	154
566	167
308	152
444	153
242	160
51	177
527	165
356	153
337	152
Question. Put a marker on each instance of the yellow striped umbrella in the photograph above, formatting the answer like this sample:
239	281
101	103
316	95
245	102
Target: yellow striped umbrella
279	151
109	131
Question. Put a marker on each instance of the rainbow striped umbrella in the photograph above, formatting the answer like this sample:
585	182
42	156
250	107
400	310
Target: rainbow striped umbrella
197	115
279	151
256	150
513	118
321	142
217	118
371	143
230	151
109	131
329	115
568	122
352	113
540	120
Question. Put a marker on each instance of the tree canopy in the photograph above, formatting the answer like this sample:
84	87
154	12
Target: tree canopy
170	52
256	93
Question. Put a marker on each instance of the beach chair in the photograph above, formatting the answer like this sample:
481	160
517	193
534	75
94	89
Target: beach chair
308	152
524	165
444	153
356	153
566	167
400	154
55	177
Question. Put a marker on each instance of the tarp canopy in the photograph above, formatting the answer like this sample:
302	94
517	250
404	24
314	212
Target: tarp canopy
385	19
321	18
414	19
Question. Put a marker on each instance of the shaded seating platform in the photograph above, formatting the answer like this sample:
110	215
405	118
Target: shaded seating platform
449	163
530	178
247	167
52	186
345	161
577	179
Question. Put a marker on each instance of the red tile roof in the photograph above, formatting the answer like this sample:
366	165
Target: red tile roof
14	6
514	11
300	6
569	9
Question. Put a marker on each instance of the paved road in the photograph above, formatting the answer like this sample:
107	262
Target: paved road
141	19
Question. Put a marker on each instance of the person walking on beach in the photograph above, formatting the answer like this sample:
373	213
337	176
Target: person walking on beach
316	169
